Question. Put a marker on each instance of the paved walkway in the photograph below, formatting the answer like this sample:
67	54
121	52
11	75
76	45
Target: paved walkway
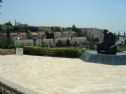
50	75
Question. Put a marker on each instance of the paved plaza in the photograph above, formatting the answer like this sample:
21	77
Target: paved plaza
51	75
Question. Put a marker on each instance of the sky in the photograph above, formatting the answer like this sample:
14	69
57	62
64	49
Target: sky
103	14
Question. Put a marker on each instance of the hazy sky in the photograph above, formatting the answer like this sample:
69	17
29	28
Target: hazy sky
109	14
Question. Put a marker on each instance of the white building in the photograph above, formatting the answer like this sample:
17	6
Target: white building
23	42
79	40
39	42
47	42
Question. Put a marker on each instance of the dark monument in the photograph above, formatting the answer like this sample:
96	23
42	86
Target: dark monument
107	50
108	45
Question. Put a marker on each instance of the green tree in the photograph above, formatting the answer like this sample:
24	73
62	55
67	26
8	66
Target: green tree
59	43
85	33
125	42
124	35
68	43
77	30
89	37
1	29
31	28
75	44
96	40
7	43
118	35
49	35
8	24
74	28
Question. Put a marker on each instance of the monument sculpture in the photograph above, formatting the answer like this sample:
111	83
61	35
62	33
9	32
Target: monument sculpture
108	45
106	52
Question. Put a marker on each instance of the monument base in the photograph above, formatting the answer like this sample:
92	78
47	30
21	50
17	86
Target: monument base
93	56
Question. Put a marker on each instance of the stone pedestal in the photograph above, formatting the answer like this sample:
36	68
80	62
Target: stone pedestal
19	51
93	56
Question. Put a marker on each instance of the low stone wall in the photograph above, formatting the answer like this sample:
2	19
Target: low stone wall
4	89
7	51
94	57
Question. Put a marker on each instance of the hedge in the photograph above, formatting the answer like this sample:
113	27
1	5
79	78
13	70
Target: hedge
58	52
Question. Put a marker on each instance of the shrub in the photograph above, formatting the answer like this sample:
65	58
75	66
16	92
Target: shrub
59	43
59	52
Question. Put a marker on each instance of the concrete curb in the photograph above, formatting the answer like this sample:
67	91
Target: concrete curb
17	89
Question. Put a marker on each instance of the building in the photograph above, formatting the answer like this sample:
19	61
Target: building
42	35
14	36
63	39
79	40
68	34
97	33
23	35
34	35
39	42
47	42
57	34
2	35
24	42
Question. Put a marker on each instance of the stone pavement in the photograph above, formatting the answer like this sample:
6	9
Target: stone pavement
51	75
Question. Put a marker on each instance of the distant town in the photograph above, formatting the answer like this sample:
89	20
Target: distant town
55	36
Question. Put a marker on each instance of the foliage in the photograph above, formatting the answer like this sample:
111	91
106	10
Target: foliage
74	28
59	43
6	44
55	29
49	35
121	49
68	43
1	29
8	24
33	28
75	44
59	52
77	30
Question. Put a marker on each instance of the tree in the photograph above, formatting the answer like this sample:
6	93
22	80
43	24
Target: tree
77	30
7	43
125	42
59	43
85	33
74	28
96	40
49	35
89	37
8	24
68	42
124	35
1	29
75	44
31	28
118	35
